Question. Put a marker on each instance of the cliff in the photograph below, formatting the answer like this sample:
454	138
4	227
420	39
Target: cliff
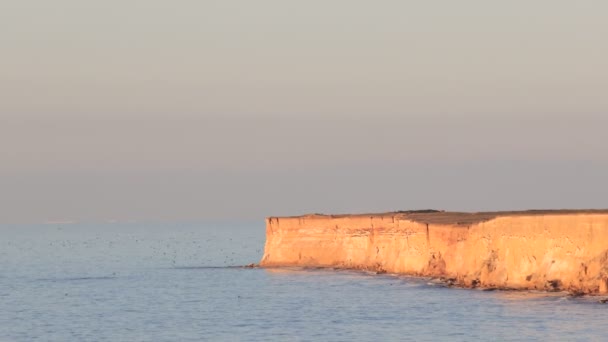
545	250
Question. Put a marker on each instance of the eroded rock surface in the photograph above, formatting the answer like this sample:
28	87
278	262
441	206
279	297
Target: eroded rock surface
544	250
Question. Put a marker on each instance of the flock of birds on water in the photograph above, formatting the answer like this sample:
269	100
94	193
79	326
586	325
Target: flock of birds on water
157	248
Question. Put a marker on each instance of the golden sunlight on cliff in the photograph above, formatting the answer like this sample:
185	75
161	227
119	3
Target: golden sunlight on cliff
545	250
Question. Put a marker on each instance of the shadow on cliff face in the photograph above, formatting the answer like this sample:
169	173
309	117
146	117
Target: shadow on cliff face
436	265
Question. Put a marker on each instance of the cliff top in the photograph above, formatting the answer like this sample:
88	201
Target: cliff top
459	218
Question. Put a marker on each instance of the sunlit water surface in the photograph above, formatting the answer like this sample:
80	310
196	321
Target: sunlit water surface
177	282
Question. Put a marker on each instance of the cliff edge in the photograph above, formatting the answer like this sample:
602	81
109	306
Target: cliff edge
539	249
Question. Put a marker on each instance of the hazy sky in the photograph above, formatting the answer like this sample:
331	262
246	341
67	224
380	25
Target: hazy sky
181	110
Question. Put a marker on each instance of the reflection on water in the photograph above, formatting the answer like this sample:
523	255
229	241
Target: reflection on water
185	282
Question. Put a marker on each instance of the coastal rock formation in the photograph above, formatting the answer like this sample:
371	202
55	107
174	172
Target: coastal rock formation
544	250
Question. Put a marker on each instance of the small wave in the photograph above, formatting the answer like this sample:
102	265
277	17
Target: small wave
77	278
206	267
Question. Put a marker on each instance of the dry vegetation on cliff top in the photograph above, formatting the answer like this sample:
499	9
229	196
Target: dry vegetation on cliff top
461	218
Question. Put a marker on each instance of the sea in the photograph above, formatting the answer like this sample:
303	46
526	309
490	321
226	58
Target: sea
186	282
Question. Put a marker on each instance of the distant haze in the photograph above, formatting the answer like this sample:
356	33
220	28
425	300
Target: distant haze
153	110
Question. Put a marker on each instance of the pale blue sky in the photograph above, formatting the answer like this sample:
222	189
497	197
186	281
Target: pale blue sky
163	110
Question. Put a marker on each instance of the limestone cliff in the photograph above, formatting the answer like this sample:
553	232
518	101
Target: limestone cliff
545	250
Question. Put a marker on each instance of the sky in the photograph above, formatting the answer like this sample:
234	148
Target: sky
194	110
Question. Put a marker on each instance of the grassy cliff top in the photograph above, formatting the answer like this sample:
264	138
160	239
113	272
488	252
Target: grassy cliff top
459	218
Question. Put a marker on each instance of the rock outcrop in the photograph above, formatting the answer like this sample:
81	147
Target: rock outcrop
544	250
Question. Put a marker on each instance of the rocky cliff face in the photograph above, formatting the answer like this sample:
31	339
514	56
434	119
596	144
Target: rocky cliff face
553	250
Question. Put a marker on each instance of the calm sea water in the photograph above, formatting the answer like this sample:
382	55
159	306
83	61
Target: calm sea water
177	282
